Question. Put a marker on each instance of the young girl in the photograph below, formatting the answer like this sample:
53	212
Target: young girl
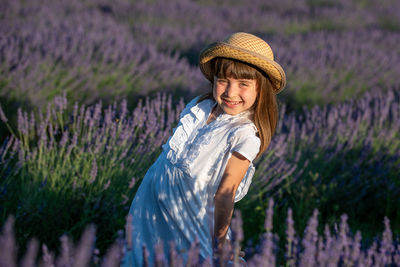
188	194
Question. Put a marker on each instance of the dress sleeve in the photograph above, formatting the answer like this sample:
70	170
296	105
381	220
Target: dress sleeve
248	144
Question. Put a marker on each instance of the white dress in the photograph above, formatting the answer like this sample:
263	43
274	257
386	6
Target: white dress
175	199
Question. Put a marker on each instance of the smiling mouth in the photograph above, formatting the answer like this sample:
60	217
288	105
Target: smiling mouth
231	103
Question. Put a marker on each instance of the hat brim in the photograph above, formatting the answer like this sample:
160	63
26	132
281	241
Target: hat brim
221	49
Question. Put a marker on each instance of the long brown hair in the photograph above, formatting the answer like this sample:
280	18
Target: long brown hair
265	108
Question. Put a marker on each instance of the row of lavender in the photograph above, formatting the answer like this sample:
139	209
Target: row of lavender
61	170
331	50
339	247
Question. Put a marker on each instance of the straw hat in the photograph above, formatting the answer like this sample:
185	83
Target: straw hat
246	48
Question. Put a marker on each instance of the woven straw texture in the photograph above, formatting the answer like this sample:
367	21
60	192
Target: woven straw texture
247	48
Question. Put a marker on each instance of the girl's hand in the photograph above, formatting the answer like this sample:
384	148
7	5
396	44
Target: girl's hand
241	261
242	254
225	252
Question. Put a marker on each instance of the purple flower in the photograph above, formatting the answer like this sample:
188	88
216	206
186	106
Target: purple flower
93	172
270	213
290	237
132	183
64	139
107	184
309	242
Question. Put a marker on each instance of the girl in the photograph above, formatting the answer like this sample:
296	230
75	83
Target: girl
188	194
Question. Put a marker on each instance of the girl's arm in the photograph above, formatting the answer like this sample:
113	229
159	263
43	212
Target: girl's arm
235	170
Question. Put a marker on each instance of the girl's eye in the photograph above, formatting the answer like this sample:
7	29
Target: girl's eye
244	84
221	81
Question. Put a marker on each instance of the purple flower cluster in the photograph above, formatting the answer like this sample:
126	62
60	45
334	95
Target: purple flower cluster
92	129
331	50
337	248
368	124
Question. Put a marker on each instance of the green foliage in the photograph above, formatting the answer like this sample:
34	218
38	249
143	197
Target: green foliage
318	24
106	81
297	28
322	3
306	93
389	24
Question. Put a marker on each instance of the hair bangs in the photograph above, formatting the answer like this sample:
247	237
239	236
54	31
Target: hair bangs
224	68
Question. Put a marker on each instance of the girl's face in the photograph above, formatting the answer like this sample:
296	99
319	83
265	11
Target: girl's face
235	95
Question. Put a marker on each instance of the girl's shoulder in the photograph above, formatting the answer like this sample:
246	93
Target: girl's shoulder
246	129
245	141
244	124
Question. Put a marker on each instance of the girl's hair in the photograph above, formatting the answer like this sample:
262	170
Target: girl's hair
265	107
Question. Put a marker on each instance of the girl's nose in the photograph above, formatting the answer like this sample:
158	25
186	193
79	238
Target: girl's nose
231	90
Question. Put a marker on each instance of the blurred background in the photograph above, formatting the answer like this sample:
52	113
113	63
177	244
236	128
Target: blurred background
90	89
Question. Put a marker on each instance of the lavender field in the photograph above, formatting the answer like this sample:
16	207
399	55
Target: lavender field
89	90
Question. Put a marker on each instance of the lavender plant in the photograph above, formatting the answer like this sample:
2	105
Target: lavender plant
61	170
339	247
